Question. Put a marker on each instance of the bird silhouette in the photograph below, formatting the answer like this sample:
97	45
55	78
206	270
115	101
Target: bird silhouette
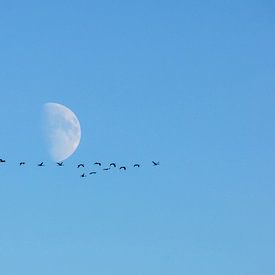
83	175
106	169
80	165
92	173
155	163
60	163
137	165
122	167
22	163
113	164
2	160
98	163
41	164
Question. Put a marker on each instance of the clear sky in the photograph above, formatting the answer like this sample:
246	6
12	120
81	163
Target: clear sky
188	83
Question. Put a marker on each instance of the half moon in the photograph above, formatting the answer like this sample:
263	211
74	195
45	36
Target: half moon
62	131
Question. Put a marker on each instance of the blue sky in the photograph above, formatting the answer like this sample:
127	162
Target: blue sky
190	84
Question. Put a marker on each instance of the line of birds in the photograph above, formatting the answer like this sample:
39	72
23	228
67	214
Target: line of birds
113	164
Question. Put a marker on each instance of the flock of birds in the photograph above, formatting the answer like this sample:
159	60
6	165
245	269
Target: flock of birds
83	175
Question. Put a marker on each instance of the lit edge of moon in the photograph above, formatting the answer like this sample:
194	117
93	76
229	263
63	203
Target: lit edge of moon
61	129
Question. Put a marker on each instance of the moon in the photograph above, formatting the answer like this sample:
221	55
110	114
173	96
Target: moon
62	130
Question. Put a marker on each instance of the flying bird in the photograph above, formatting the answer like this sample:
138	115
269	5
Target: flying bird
2	160
137	165
106	169
80	165
22	163
155	163
83	175
98	163
122	167
92	173
41	164
113	164
60	163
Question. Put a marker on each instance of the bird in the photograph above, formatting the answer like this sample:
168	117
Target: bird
137	165
83	175
60	163
122	167
2	160
98	163
80	165
22	163
106	169
113	164
92	173
41	164
155	163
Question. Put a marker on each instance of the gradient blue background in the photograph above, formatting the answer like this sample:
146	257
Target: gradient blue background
188	83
